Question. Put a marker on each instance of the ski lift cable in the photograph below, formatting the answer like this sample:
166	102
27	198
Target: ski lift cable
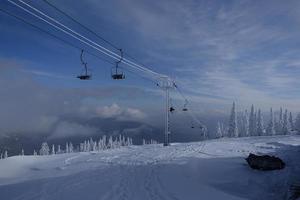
76	21
104	50
166	79
189	110
89	30
54	36
26	10
80	39
63	30
84	39
70	44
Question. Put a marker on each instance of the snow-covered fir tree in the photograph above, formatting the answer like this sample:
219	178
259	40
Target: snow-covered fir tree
243	124
81	147
88	146
71	148
279	123
291	122
271	125
297	123
285	129
53	150
67	147
5	154
34	152
232	127
58	150
91	144
255	120
219	133
110	142
260	127
252	122
44	149
94	148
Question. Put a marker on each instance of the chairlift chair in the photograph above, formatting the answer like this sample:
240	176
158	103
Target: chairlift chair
115	73
192	124
184	106
85	75
172	109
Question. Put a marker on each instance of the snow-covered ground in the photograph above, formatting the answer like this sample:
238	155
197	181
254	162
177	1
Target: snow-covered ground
213	169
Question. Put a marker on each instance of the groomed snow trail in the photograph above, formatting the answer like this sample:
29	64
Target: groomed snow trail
187	171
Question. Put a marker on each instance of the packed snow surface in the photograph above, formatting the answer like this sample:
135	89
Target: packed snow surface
214	169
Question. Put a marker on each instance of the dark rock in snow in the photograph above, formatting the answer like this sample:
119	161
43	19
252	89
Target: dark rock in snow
264	162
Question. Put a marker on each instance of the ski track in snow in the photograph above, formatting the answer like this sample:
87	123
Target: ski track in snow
150	172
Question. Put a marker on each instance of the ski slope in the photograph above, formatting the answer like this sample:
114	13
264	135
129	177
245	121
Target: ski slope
214	169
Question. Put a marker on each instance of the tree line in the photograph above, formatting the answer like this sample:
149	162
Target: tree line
245	124
86	146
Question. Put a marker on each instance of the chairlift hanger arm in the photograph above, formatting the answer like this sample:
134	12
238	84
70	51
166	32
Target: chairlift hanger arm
121	57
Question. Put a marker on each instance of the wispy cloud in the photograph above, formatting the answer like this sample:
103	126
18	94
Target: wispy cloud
233	50
46	74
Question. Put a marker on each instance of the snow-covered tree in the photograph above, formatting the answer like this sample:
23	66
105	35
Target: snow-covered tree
58	149
34	152
1	156
297	123
291	122
44	149
279	123
271	125
67	147
5	154
285	129
102	143
243	124
71	148
232	127
91	144
110	142
22	152
94	146
281	115
53	149
260	127
252	122
81	147
219	133
88	146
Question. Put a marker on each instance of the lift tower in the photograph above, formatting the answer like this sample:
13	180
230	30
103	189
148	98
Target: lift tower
166	84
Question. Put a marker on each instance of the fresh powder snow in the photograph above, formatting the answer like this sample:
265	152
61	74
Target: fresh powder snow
213	169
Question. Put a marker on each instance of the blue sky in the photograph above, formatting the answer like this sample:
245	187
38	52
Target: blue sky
217	51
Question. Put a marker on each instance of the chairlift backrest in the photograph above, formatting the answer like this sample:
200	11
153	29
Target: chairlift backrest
85	75
118	75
